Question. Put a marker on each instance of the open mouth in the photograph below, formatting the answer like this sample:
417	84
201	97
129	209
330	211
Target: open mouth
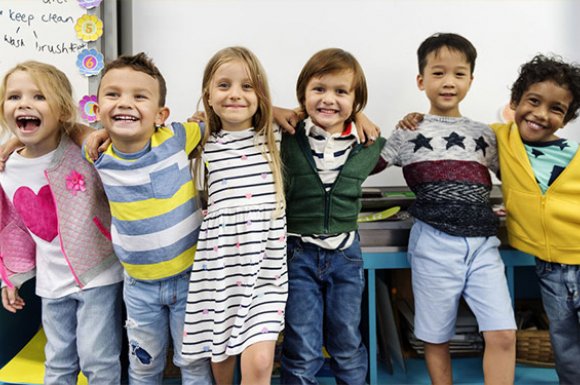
28	123
124	118
327	111
534	126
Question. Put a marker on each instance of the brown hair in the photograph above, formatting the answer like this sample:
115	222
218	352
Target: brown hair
333	60
140	63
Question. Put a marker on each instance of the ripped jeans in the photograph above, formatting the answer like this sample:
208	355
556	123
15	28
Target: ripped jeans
156	309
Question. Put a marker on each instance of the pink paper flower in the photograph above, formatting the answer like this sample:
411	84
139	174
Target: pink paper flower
75	182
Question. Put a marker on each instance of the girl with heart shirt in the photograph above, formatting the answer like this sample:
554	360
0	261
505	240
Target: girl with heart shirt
55	224
238	284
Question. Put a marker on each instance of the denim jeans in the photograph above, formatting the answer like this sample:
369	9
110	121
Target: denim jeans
324	307
156	309
83	332
560	287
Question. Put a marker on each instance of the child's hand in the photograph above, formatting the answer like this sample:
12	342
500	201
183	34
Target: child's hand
287	119
11	300
97	142
411	121
197	117
366	129
6	149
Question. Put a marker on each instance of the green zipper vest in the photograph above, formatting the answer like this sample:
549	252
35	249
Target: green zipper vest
309	208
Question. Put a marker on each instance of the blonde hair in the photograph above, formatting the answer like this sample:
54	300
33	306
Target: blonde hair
55	87
262	120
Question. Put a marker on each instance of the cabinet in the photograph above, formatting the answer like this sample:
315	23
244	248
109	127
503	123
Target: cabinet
377	258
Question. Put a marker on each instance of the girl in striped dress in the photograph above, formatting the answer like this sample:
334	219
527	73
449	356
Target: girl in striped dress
238	287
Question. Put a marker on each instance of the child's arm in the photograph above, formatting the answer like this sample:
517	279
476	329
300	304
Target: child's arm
11	300
366	128
95	141
8	148
411	121
288	119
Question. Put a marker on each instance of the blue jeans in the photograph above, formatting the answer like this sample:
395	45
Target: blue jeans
83	332
560	287
324	307
155	309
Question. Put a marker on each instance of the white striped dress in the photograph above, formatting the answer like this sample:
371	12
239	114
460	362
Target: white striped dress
239	283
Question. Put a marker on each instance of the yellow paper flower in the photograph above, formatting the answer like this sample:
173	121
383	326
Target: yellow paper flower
89	28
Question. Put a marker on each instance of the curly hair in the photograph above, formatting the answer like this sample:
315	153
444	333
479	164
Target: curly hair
542	68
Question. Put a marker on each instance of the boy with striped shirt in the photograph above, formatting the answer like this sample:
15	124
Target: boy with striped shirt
155	218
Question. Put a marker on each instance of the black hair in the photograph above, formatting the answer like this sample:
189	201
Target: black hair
543	68
452	41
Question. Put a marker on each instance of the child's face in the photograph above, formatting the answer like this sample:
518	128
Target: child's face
446	79
541	111
232	96
128	108
29	116
329	100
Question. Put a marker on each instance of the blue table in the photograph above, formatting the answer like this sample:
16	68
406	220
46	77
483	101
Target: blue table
377	258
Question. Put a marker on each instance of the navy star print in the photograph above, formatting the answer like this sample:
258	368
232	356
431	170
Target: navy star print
537	153
421	141
481	144
454	140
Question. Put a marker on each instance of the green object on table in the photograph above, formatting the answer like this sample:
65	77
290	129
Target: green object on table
379	216
394	194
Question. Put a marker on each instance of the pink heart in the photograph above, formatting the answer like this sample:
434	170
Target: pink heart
37	211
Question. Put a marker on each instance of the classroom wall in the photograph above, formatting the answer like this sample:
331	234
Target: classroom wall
181	35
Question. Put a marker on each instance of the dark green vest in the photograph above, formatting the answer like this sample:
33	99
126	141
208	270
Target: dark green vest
309	208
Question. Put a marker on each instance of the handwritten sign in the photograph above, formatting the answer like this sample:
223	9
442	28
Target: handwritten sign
43	30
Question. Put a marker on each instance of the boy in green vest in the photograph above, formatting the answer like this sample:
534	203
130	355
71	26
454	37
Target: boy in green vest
325	166
540	175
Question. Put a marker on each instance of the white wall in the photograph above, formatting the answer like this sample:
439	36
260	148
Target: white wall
181	35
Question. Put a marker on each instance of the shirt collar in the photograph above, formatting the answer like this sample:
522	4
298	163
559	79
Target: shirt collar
349	131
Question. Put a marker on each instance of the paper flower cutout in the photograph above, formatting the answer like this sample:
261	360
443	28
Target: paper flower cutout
90	62
75	182
89	28
88	4
87	108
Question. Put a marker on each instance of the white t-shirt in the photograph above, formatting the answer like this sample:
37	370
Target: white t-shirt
27	188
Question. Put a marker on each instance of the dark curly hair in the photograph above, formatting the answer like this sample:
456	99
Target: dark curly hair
542	68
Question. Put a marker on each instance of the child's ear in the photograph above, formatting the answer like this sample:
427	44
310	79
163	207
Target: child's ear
513	105
162	116
420	84
97	112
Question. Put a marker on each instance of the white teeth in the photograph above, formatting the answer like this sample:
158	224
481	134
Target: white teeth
125	117
534	125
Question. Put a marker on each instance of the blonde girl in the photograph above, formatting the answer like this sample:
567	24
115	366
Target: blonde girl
238	285
54	221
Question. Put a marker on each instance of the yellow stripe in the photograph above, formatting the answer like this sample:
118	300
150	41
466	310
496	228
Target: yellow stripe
160	136
149	208
159	270
193	135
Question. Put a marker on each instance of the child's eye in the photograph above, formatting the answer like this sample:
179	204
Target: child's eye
111	94
460	74
318	89
223	85
247	86
438	73
39	97
559	110
342	92
140	97
13	97
534	101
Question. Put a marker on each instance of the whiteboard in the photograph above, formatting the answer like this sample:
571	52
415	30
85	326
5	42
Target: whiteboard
181	36
43	30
